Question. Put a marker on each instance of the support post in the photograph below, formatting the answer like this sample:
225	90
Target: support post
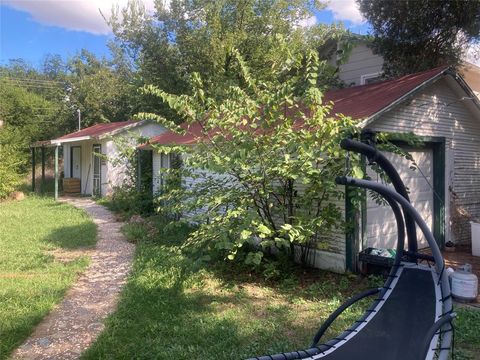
56	172
139	170
42	187
33	168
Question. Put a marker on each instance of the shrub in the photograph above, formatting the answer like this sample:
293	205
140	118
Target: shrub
265	167
13	159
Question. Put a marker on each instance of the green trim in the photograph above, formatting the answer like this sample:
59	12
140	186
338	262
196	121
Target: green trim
437	144
363	211
56	172
439	195
350	256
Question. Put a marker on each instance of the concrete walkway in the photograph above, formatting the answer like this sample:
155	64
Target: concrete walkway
73	325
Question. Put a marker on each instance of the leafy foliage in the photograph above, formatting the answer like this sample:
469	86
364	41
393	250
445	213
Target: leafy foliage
419	35
12	159
197	36
134	195
262	173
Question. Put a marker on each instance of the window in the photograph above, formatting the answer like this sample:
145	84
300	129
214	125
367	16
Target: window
370	78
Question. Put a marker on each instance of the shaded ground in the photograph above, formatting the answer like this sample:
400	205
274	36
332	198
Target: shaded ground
169	310
71	327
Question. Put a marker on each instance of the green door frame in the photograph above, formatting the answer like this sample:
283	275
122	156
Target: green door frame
353	216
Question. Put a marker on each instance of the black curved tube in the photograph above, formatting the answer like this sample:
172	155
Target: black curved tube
448	318
437	255
376	156
398	257
339	310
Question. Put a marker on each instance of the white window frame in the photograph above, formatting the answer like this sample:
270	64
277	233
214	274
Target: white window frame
365	77
164	164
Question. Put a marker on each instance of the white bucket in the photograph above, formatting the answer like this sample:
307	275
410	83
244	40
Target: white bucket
475	238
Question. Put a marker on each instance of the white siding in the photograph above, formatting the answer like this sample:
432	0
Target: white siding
111	176
362	61
439	111
115	175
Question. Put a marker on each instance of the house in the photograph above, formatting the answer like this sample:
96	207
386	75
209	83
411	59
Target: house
363	66
436	105
89	154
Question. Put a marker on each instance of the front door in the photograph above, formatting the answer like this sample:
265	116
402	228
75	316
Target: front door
97	166
75	166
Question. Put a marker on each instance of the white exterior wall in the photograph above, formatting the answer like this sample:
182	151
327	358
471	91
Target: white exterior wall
438	111
362	61
111	176
116	174
86	163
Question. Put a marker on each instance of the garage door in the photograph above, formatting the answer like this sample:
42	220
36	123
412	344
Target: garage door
381	229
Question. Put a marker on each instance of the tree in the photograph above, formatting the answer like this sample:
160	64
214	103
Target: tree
12	159
419	35
100	92
37	117
265	163
198	36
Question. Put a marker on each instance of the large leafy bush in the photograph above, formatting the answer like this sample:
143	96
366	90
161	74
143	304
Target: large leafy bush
13	159
262	172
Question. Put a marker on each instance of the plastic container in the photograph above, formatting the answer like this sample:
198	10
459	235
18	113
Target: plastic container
372	262
475	238
464	284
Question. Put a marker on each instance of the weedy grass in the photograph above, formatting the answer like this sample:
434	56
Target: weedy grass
32	281
169	310
224	311
467	334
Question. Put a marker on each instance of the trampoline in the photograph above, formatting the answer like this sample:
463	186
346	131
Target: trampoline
411	315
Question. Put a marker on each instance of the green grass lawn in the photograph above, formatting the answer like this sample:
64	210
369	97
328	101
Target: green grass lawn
223	312
32	281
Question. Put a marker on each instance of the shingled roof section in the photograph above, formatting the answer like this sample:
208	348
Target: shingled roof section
98	130
359	102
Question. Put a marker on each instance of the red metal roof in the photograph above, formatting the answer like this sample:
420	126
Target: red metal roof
193	133
97	130
363	101
359	102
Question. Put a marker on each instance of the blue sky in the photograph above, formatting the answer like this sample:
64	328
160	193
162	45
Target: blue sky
33	29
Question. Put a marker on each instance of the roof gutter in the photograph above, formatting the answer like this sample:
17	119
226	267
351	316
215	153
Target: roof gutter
405	97
463	84
80	138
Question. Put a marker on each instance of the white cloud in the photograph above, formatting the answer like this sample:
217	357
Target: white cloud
346	10
312	20
80	15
